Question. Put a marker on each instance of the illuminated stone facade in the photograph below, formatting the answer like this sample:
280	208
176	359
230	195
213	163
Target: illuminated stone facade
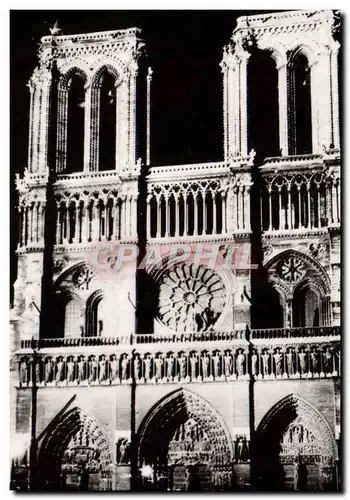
178	375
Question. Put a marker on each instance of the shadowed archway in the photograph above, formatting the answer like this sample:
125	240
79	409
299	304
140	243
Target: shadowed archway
75	455
186	444
294	449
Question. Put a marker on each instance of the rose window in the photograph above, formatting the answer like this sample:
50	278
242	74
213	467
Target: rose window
191	298
292	269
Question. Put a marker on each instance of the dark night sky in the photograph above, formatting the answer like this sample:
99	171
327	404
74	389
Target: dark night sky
184	49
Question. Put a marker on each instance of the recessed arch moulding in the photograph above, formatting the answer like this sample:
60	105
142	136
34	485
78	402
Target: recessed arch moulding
98	293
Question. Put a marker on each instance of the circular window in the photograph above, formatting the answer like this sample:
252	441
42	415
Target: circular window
191	298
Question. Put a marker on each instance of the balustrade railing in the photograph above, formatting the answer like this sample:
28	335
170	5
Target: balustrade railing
210	336
288	333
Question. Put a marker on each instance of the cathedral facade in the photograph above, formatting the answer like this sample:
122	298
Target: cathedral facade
178	327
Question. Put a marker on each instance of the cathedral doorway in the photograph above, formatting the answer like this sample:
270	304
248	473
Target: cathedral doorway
185	446
75	456
295	449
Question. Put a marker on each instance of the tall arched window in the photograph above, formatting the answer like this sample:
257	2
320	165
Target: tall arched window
72	319
263	119
75	125
306	308
96	315
107	122
299	105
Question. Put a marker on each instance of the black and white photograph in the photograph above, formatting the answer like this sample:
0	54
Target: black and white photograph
175	250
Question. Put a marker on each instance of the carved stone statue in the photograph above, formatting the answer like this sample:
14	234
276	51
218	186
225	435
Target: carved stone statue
158	362
81	369
122	451
113	367
137	367
124	365
24	371
255	368
193	363
240	363
48	371
169	366
265	363
205	365
314	360
278	362
242	450
327	361
302	361
228	364
92	369
37	371
182	366
59	370
216	365
70	370
290	362
102	368
147	367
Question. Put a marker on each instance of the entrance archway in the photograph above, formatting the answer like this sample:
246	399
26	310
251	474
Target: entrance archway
294	449
76	455
186	446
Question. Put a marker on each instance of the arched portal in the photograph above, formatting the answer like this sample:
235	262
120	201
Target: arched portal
76	455
185	444
294	449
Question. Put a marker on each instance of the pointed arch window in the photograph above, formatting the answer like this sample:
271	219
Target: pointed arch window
96	315
72	319
299	105
75	124
107	122
263	117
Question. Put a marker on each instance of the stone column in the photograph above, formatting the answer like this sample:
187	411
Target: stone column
167	216
148	119
77	223
334	97
315	107
24	224
309	205
159	217
195	203
132	115
87	128
31	118
241	208
45	105
225	109
270	208
214	231
42	223
148	211
282	107
224	211
243	104
334	203
247	207
35	129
